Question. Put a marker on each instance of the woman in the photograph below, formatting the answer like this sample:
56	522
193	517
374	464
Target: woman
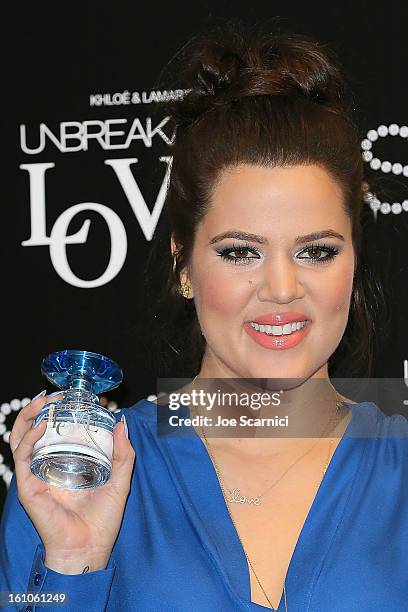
265	204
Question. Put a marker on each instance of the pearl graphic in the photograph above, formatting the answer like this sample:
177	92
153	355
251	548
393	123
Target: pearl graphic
385	166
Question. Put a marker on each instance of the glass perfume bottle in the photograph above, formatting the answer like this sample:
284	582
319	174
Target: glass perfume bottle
75	451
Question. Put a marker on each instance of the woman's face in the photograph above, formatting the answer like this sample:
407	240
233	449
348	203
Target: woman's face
284	273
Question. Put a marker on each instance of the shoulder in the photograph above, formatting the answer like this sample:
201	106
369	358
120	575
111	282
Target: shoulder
144	410
390	426
389	434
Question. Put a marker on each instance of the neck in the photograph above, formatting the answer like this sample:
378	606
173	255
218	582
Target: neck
300	412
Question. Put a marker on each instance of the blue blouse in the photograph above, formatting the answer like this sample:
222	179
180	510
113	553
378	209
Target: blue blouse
178	550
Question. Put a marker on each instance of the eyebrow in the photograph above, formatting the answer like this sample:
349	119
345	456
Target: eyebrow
262	240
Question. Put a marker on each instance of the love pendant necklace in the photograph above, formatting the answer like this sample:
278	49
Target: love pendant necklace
235	494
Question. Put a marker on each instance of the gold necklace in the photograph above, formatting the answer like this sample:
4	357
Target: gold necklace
256	501
221	479
237	498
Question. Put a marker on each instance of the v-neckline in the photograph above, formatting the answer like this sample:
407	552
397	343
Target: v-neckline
218	525
305	526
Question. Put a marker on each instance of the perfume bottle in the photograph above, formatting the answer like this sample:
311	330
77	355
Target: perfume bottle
75	451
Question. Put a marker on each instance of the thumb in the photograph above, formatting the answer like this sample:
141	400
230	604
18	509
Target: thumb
123	458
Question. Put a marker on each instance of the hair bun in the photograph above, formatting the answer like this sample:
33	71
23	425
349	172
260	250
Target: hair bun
234	61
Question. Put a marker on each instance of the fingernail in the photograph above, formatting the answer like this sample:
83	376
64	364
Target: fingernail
123	419
41	394
37	423
55	393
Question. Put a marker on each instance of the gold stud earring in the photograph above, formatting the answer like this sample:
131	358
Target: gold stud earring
184	289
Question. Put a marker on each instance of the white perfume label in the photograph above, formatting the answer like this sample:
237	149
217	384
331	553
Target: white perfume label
76	435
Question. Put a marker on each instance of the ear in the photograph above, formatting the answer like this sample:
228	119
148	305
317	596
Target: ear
184	278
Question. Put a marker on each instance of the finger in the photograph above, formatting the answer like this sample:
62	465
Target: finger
33	492
122	460
26	416
22	454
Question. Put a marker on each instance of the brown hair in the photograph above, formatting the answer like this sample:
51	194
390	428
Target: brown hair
269	98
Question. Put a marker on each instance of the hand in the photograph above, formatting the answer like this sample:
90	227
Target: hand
77	527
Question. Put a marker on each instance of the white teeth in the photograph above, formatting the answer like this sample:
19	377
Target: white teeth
279	330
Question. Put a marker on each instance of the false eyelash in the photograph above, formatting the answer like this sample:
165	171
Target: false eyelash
331	251
225	253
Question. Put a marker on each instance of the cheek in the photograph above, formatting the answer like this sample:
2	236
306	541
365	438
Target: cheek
338	294
221	295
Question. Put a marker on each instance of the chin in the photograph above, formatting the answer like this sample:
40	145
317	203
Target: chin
281	378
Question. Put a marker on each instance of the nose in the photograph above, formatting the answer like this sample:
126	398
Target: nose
280	281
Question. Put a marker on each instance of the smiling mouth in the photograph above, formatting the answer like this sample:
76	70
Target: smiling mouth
279	330
278	337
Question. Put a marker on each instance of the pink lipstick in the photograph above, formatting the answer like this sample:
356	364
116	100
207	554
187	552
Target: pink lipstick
273	334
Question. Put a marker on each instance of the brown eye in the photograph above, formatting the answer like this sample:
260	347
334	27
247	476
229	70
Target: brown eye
239	254
315	251
240	251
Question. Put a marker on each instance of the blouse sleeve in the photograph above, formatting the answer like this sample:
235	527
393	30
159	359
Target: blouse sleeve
22	570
